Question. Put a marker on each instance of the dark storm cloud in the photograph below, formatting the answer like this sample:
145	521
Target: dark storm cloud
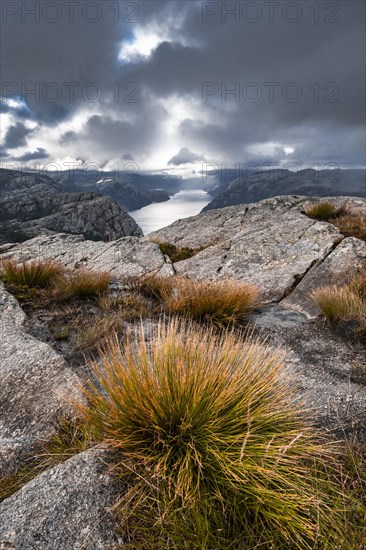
16	136
318	59
185	156
40	153
20	111
114	137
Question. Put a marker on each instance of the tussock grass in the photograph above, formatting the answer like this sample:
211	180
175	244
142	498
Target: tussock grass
82	284
219	302
11	483
31	274
323	211
351	224
346	304
153	286
351	478
339	303
216	454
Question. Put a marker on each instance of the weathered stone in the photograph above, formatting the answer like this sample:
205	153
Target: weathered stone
321	364
66	507
129	256
31	204
36	385
337	269
270	244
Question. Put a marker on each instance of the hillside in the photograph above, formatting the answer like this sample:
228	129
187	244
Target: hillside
132	190
274	251
271	183
32	203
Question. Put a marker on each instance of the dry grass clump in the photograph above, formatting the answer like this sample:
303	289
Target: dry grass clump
346	304
339	303
11	483
219	302
82	284
153	286
323	211
352	480
349	223
31	274
71	437
217	455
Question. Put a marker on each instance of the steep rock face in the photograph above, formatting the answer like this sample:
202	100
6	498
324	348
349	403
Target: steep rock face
132	190
271	183
31	204
271	244
66	507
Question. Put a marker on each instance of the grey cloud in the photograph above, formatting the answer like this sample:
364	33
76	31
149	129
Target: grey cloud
305	52
185	156
16	136
40	153
68	137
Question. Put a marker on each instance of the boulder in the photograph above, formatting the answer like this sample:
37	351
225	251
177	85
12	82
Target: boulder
66	507
338	268
129	256
36	385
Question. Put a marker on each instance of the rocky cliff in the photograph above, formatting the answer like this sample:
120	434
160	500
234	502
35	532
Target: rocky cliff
132	190
270	183
31	204
272	245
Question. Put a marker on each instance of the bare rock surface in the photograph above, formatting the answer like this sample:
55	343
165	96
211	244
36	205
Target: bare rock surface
128	256
272	245
337	269
66	507
35	384
31	204
323	365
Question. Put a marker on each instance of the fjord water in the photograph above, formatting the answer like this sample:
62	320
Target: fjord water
188	202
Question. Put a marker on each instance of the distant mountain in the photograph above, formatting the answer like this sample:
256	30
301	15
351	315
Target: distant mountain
131	190
31	204
308	182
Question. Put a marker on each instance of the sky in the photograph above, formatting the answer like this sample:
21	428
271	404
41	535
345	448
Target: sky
175	85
